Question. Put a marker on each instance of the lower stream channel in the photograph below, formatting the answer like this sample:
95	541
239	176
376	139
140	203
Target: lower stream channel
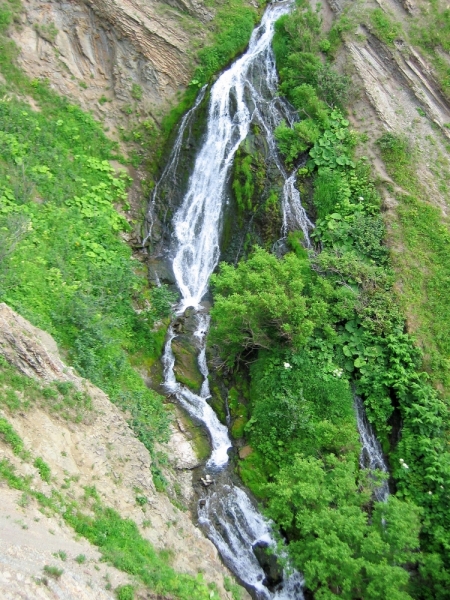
243	95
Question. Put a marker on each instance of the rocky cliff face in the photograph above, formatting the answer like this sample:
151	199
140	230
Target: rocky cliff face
400	91
109	55
99	451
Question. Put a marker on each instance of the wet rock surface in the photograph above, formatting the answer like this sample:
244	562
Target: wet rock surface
269	563
185	347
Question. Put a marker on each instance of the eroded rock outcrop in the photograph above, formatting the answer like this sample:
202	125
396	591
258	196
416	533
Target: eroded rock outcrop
108	55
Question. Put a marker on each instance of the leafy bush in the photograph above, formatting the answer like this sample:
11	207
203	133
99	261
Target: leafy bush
262	301
54	572
43	468
125	592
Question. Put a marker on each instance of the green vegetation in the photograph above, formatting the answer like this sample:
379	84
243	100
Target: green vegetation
243	181
48	31
431	32
385	28
80	559
125	592
43	468
62	203
53	572
422	268
122	545
10	437
311	329
302	426
232	587
20	393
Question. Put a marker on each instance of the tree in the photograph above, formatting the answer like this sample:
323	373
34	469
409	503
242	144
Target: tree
342	551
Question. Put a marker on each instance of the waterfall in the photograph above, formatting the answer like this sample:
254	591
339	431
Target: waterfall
371	456
228	516
197	405
243	94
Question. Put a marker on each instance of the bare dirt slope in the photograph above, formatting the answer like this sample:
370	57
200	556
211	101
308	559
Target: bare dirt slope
101	451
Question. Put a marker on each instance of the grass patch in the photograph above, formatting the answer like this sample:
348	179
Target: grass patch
125	592
422	236
386	29
20	393
80	559
52	571
431	32
62	203
43	468
10	437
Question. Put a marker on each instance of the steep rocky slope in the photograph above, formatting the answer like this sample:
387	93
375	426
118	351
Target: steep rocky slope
110	55
99	451
403	93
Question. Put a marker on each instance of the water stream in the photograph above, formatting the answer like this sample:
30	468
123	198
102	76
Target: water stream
245	93
371	456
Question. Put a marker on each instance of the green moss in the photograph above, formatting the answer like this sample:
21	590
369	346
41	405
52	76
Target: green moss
218	404
238	427
186	366
238	413
252	471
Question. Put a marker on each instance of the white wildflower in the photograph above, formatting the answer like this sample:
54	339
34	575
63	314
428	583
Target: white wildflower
430	493
287	366
338	372
401	460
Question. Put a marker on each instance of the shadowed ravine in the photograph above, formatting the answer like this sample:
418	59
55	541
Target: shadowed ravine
244	94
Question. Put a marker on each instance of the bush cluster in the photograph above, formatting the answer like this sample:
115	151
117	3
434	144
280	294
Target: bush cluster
317	329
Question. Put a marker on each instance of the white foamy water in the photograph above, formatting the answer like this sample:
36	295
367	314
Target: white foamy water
234	526
196	404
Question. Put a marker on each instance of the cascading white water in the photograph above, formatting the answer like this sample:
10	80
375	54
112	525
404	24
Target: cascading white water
244	93
371	456
235	526
196	405
170	168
